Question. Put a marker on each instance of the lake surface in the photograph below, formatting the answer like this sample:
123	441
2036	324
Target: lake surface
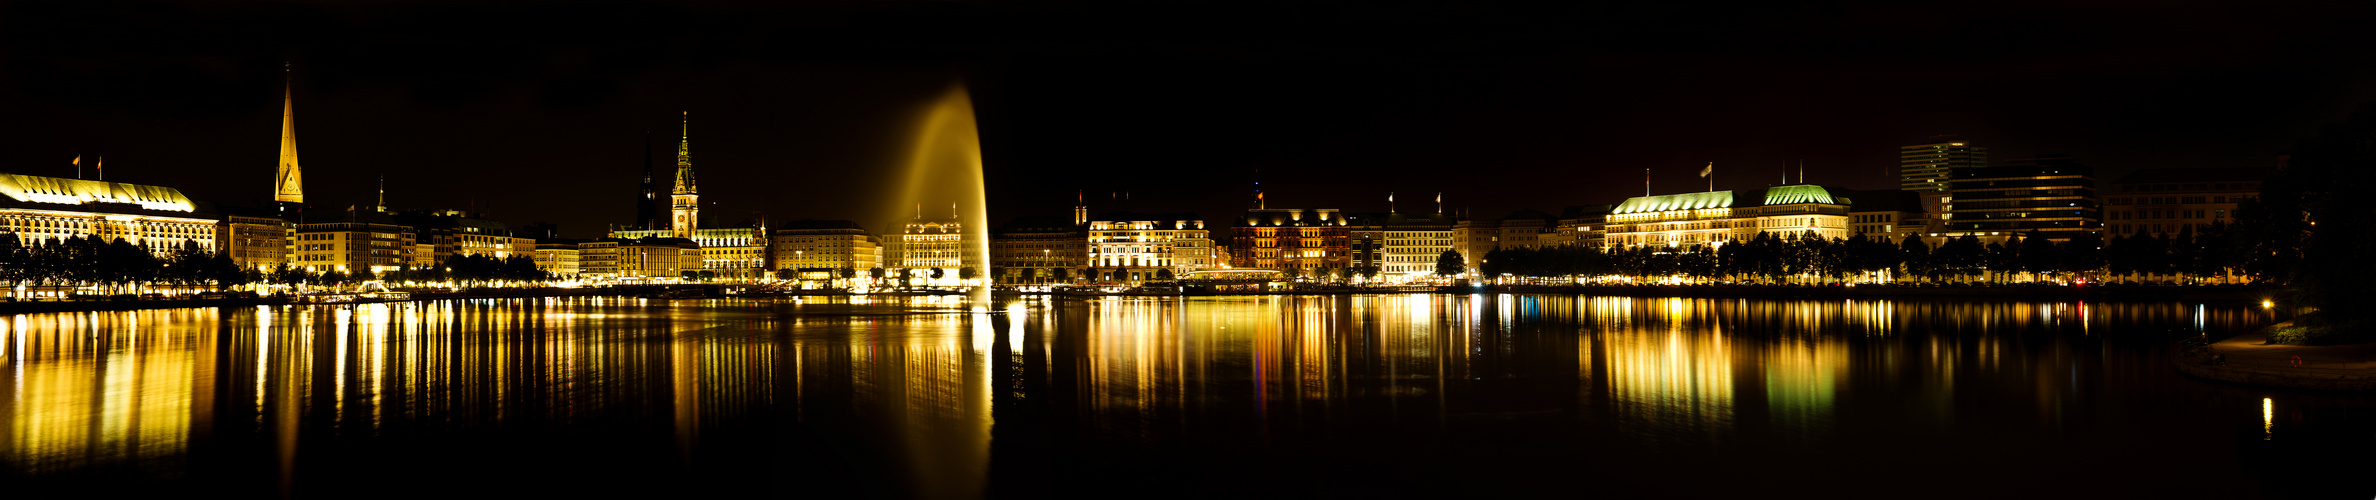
1393	396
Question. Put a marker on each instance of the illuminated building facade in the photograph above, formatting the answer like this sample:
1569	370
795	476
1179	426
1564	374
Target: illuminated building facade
560	259
1133	247
451	233
2054	195
733	253
647	259
1406	245
598	259
361	240
825	246
1716	217
738	253
2163	201
936	243
1521	229
156	218
254	240
1303	240
1030	250
1579	226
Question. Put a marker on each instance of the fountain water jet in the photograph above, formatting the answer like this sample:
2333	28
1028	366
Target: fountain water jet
945	165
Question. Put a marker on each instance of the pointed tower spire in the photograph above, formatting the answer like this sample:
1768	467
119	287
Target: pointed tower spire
289	186
648	203
382	207
685	201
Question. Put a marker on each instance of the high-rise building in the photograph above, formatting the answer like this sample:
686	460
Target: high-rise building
2051	194
1924	167
684	201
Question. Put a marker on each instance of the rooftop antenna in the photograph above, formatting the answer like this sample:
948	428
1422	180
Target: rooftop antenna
1645	181
383	194
1802	170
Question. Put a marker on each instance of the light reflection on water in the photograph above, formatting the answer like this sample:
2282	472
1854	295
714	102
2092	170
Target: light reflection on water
908	395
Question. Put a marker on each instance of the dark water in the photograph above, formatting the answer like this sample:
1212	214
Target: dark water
1387	396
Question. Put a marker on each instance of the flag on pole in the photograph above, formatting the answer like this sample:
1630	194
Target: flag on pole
78	160
1710	169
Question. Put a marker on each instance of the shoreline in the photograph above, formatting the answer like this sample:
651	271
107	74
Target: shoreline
2247	359
2192	294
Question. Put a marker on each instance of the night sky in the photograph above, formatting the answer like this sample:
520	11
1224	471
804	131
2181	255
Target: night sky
538	111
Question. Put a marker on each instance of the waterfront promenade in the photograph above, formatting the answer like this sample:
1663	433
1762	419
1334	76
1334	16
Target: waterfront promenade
2250	359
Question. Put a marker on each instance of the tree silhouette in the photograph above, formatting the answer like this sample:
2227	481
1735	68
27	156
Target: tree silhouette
1449	263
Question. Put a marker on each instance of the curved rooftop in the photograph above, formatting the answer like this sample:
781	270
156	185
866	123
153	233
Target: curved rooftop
1668	202
61	191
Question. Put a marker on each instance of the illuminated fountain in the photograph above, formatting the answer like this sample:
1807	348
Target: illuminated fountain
945	166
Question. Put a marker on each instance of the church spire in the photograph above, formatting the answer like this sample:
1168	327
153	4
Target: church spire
684	204
289	186
684	174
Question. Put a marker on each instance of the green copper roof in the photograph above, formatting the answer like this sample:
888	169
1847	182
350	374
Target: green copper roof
1799	193
1686	201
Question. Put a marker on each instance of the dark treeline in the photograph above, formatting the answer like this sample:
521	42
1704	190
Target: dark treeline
119	266
2212	256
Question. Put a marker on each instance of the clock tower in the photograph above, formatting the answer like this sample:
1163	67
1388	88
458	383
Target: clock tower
684	202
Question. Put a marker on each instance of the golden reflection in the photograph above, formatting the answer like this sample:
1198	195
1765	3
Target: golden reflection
105	388
84	390
1672	370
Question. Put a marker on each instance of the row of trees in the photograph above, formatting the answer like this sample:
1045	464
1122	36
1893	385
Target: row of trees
2215	255
117	265
120	266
